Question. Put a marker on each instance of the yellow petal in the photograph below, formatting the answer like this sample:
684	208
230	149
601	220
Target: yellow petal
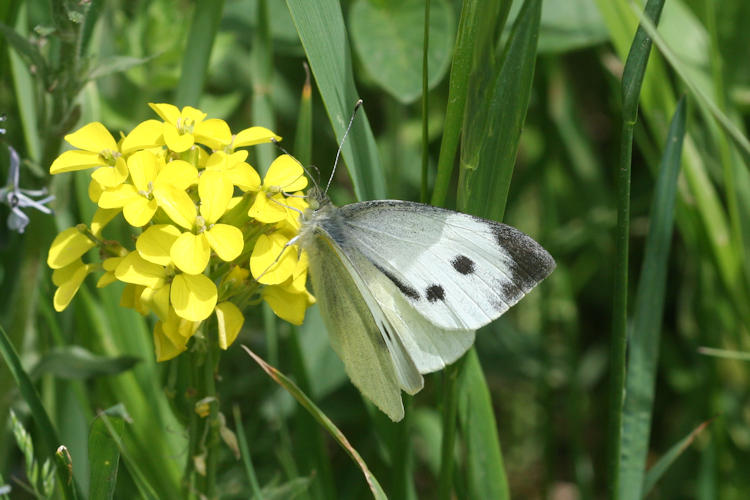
193	296
138	271
190	253
92	137
226	241
268	210
156	241
215	191
111	176
101	218
167	347
131	298
139	211
285	174
95	191
230	320
254	135
143	166
68	280
118	196
71	161
177	173
175	140
177	204
286	304
244	177
214	133
191	116
106	279
67	247
267	262
145	135
157	299
167	112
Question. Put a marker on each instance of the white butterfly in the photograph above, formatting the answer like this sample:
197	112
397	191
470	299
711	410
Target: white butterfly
403	286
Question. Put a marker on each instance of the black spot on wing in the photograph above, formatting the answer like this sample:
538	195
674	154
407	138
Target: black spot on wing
403	287
435	293
463	264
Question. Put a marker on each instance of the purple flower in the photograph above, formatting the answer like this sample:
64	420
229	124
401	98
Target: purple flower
17	198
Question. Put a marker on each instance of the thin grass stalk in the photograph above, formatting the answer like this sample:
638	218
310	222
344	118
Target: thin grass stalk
632	79
447	444
425	126
203	28
245	453
725	152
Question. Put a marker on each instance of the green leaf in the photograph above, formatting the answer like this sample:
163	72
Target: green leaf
104	456
724	353
33	58
322	419
643	347
288	490
659	468
493	120
567	26
388	38
78	363
321	29
116	64
46	430
484	460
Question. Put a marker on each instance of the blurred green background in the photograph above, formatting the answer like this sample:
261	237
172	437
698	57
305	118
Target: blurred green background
64	63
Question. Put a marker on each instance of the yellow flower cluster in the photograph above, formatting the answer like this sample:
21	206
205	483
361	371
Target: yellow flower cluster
207	224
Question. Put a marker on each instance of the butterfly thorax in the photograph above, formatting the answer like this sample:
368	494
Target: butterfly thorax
319	212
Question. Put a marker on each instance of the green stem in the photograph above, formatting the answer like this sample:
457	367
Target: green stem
425	127
618	344
212	435
450	409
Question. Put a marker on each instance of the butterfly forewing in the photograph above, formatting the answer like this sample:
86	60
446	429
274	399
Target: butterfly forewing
457	271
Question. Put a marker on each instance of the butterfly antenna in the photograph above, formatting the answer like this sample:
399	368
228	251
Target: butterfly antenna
357	105
276	143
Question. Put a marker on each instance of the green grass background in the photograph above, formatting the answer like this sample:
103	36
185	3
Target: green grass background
597	385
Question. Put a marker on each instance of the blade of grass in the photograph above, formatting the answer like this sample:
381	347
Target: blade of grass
322	419
632	80
647	318
245	452
304	133
104	457
200	39
484	460
476	29
492	133
425	91
261	62
724	353
46	430
321	29
660	467
730	128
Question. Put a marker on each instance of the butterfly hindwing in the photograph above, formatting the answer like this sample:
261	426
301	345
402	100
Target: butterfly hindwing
457	271
375	361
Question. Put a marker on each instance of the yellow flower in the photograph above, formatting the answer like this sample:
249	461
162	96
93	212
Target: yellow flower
155	185
252	136
284	176
192	250
68	280
96	148
230	321
182	129
290	300
272	261
68	246
234	169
